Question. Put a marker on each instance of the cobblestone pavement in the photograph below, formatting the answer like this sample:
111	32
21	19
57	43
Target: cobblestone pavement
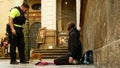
6	64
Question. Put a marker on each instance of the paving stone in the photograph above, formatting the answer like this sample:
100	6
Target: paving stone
6	64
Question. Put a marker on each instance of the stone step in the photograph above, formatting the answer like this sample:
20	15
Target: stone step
52	53
48	53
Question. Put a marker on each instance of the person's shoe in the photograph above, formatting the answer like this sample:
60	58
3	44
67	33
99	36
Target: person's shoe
14	62
77	62
24	62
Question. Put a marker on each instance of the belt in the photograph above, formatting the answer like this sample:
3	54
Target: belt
16	25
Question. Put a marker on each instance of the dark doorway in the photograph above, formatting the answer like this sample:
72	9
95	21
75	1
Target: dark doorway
33	33
66	12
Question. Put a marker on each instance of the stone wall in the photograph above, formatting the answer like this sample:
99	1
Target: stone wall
5	6
101	32
48	16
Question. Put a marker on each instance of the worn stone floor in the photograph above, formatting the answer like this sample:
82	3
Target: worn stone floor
5	63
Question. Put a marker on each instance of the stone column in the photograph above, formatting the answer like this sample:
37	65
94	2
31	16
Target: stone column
59	15
48	14
78	2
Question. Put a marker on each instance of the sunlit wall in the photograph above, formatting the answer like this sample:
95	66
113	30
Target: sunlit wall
5	6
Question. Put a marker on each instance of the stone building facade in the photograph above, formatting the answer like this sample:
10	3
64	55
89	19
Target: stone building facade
5	6
100	22
4	15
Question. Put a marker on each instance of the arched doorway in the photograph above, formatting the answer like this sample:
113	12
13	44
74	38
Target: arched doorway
33	33
66	12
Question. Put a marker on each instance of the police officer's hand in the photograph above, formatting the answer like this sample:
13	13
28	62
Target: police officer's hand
14	31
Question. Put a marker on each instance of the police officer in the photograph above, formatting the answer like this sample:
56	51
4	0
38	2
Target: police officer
15	33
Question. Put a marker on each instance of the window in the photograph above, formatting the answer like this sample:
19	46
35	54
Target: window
36	6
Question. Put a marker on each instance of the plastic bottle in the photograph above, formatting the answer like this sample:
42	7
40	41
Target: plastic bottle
85	59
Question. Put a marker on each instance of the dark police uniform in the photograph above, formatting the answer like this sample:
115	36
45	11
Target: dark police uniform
18	39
